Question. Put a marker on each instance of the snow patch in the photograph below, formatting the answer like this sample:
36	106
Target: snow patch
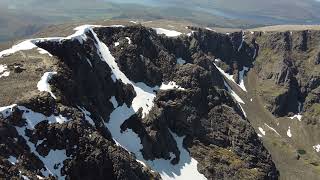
190	33
233	94
144	94
114	101
116	44
217	60
13	160
4	71
43	84
25	45
241	78
117	25
262	131
39	177
298	116
33	118
244	113
6	111
209	29
255	53
230	77
43	51
30	43
113	77
134	22
169	33
80	33
53	161
129	40
272	129
259	135
24	177
316	147
289	132
187	167
181	61
240	46
170	85
89	62
87	115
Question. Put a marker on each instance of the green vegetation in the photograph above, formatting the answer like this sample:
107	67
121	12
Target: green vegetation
315	109
313	113
301	152
268	90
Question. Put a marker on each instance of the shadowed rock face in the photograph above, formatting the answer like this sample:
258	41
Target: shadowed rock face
217	134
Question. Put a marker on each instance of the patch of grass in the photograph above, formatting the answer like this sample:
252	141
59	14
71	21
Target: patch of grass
269	91
312	114
249	173
267	55
301	151
315	109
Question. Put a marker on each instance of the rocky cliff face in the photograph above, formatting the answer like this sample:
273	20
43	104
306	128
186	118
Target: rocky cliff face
128	103
289	61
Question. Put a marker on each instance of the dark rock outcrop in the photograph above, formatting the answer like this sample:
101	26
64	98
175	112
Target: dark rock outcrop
289	59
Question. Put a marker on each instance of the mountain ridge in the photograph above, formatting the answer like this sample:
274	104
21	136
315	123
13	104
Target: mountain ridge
178	109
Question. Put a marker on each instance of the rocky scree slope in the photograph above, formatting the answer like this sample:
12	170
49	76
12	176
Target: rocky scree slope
128	103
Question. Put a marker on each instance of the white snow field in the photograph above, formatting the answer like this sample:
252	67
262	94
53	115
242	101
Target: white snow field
129	40
181	61
316	147
56	157
298	116
262	131
169	33
289	132
4	72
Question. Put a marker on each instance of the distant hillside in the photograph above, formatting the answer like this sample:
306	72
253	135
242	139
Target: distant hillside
22	18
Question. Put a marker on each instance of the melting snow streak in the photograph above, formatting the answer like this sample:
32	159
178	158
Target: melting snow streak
169	33
4	71
43	84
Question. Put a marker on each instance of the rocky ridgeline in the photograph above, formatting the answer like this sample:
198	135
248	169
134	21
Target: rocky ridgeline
217	134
